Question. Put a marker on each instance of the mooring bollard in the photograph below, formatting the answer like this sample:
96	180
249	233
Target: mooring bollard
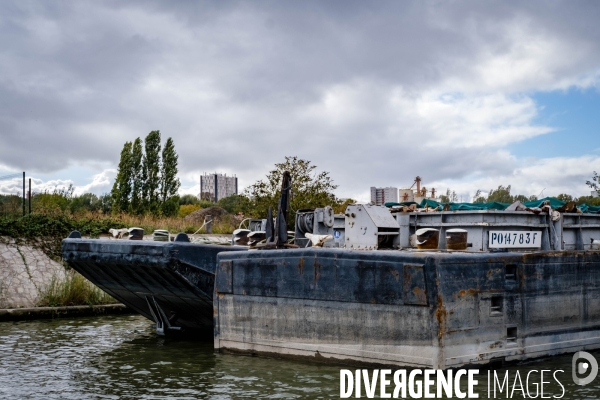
208	224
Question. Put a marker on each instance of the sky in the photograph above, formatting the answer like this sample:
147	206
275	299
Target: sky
468	95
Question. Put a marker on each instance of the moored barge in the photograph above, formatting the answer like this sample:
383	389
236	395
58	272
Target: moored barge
437	289
522	284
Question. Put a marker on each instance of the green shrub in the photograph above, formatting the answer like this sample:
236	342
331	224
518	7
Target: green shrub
188	199
187	209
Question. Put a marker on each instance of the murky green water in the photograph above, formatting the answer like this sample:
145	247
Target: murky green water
120	357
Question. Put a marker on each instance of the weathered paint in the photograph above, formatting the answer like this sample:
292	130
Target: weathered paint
180	276
437	309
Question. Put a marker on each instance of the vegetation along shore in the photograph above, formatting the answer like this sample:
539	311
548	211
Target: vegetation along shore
145	195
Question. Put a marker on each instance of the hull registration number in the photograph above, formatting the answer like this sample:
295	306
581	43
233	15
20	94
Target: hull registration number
508	239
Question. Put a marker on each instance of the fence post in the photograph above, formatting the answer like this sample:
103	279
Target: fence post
208	223
29	195
23	193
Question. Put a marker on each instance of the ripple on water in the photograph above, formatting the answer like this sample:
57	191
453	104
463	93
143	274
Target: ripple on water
116	357
121	357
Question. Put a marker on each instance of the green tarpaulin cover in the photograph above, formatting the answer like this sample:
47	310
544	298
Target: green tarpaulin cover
554	203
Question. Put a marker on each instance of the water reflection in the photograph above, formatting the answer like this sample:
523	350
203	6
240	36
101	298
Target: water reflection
120	357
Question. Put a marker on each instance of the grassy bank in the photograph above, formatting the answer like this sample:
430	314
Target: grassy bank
73	290
46	231
176	224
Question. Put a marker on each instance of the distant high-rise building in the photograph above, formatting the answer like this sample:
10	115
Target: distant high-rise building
595	193
380	196
215	187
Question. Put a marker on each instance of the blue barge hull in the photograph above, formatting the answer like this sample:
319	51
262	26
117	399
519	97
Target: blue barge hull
424	309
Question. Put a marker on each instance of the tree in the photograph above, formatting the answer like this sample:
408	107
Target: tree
520	197
151	169
144	183
105	203
121	190
589	200
565	197
594	182
449	197
85	202
309	189
169	183
188	199
137	155
501	195
236	203
478	198
342	204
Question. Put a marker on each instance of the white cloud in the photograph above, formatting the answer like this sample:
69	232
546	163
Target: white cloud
553	176
101	183
375	94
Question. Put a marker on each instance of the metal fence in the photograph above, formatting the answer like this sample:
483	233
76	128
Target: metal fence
13	197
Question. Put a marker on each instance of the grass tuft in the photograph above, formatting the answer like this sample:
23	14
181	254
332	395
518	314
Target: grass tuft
73	290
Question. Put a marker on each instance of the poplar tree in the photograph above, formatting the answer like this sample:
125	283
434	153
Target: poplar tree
122	187
169	183
144	184
137	155
151	169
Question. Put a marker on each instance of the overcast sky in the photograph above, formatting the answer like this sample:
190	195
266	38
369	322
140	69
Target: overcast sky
468	95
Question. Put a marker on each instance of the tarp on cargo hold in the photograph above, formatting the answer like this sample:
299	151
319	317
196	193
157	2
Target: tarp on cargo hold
428	203
554	203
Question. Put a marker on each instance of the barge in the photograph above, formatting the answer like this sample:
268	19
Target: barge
170	283
421	309
439	289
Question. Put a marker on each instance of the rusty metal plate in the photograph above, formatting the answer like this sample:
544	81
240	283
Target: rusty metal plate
415	291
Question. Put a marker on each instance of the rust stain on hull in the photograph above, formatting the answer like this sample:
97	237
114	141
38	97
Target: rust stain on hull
301	265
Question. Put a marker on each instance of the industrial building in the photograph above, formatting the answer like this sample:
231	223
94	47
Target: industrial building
215	187
380	196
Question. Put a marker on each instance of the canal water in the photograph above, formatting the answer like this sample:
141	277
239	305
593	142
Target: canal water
121	357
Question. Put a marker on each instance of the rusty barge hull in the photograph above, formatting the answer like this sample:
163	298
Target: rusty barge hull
408	308
171	284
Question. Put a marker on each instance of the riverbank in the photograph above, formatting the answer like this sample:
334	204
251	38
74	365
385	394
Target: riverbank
34	313
25	273
31	280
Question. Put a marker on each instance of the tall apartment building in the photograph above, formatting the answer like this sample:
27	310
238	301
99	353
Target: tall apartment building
215	186
380	196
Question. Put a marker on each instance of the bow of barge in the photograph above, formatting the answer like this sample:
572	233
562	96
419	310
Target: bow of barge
170	283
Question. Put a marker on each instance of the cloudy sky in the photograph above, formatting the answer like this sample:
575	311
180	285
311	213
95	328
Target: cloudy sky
468	95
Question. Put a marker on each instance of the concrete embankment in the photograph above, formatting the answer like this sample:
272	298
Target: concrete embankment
25	273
